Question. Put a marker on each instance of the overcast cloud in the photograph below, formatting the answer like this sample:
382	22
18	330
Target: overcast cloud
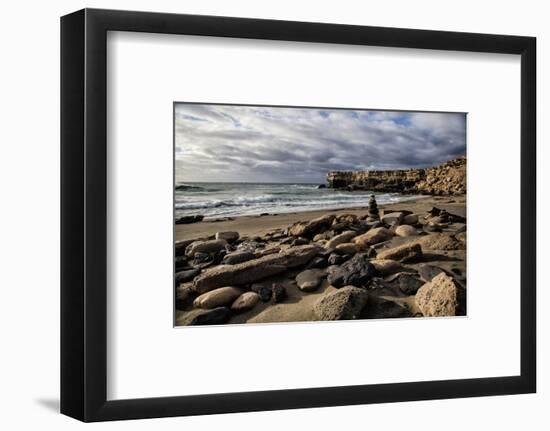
259	144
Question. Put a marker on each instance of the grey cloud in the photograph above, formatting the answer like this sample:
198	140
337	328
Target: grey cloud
241	143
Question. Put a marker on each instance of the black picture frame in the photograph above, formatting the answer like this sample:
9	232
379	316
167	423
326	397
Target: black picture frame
84	214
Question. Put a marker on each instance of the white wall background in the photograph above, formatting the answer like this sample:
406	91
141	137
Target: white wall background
29	220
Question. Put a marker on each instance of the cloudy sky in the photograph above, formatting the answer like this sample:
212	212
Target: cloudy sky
219	143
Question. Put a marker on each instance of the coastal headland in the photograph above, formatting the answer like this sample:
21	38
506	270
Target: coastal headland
448	178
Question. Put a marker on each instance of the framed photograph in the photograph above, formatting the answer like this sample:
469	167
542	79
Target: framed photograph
262	215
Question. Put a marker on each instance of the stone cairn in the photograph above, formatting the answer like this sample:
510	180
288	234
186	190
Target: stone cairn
372	214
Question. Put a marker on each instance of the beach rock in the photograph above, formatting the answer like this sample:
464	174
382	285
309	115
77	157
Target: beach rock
428	272
325	236
392	217
210	246
336	259
264	292
310	279
347	218
215	316
217	297
346	248
461	236
189	219
402	253
410	219
386	266
254	270
300	241
381	308
357	272
278	293
188	275
440	297
344	237
228	236
246	301
317	262
181	263
346	303
373	236
267	251
184	296
238	257
405	230
180	246
312	227
405	282
440	241
429	228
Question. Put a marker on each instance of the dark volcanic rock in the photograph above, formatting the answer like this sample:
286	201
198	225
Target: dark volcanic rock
264	292
278	292
215	316
189	219
405	282
428	272
188	275
380	308
356	272
317	262
184	297
310	279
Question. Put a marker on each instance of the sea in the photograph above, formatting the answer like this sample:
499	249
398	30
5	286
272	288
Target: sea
219	200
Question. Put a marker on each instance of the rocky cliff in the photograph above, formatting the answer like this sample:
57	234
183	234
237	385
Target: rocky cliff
446	179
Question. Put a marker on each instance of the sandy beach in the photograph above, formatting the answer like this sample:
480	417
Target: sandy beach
391	293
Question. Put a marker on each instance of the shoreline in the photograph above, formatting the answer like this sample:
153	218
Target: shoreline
258	225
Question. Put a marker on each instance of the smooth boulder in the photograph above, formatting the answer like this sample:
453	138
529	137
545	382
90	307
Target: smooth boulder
402	253
344	237
310	279
245	302
346	248
210	246
217	297
373	236
344	304
405	230
187	275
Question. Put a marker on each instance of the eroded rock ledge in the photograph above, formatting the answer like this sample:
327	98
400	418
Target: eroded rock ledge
446	179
